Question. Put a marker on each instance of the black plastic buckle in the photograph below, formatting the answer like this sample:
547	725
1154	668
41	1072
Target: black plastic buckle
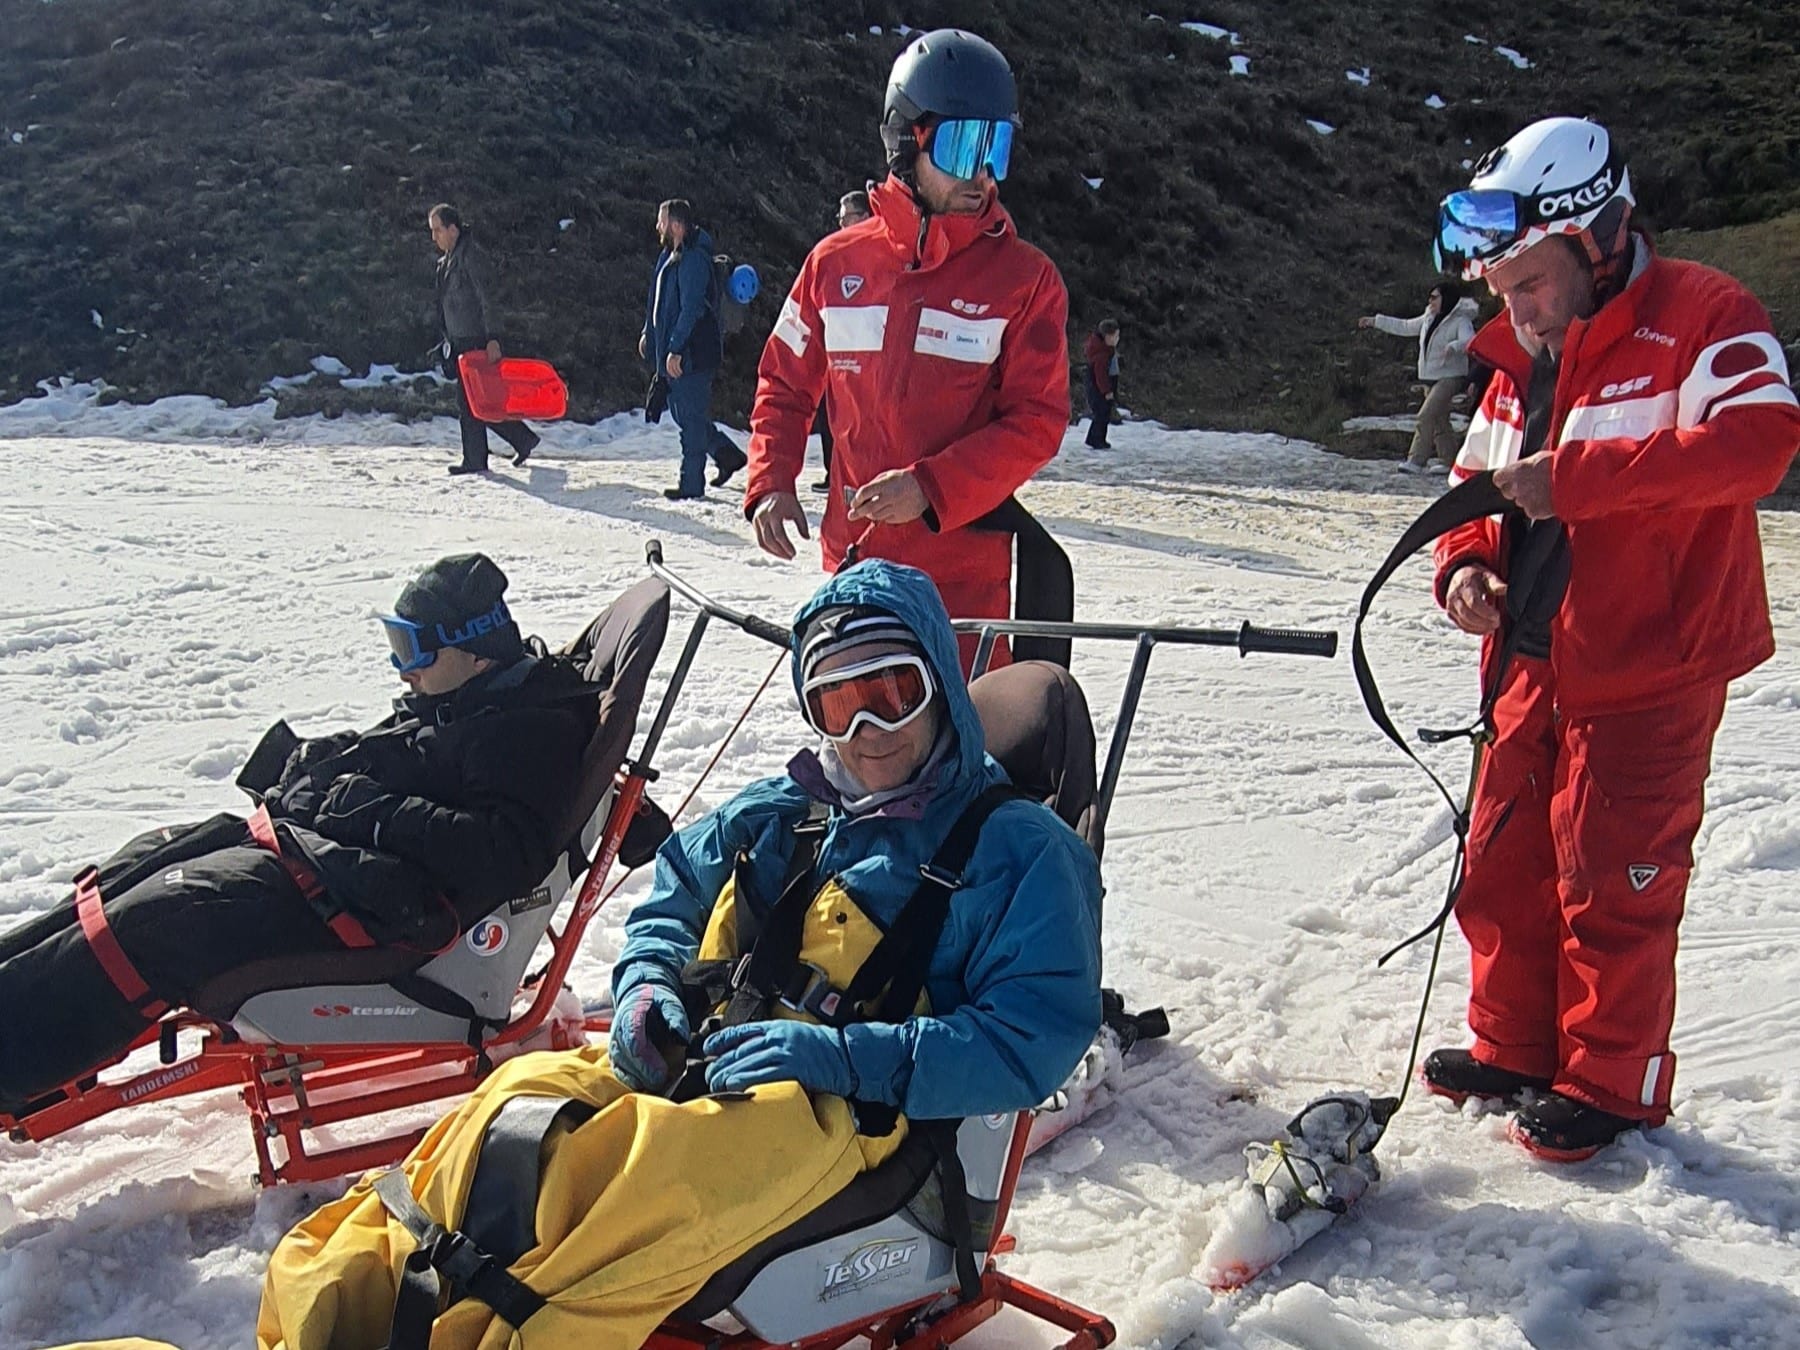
1434	736
937	876
459	1258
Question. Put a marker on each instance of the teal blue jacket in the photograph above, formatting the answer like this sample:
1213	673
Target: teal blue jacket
1014	982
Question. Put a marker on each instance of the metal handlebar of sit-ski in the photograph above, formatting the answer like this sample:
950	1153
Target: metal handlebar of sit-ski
1246	638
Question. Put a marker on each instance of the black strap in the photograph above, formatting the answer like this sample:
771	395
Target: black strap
941	1134
500	1215
428	993
1469	500
902	959
499	1224
1045	581
441	1253
771	942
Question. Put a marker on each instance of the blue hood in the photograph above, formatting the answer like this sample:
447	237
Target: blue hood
909	595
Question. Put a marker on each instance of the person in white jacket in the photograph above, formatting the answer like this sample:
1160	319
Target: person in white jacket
1444	331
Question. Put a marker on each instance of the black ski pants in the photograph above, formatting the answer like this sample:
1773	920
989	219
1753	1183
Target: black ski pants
1099	417
474	430
183	921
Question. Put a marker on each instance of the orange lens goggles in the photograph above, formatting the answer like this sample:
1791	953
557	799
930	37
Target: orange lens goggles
886	692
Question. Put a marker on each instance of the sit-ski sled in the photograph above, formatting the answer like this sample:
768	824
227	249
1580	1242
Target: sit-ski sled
941	1285
1039	728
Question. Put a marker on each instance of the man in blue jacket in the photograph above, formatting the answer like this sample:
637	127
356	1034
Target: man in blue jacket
1014	982
682	343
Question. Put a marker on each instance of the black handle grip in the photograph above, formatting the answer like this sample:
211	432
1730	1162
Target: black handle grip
653	552
768	632
1287	641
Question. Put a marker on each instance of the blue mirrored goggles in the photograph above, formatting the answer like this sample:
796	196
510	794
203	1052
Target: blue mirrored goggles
1476	224
415	646
963	146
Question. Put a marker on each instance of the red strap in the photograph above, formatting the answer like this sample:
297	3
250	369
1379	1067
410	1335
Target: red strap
348	930
101	940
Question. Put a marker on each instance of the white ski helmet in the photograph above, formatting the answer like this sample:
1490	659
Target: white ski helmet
1560	175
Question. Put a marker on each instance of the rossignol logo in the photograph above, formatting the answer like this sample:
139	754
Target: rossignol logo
1651	335
1624	387
850	286
871	1263
1572	203
160	1080
352	1010
969	307
1641	875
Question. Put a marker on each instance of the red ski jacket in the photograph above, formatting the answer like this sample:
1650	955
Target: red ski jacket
1672	416
944	349
1099	363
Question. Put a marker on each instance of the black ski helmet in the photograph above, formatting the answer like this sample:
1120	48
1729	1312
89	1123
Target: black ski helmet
945	74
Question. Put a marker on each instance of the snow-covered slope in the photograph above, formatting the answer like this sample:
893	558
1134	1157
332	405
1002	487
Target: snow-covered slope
174	578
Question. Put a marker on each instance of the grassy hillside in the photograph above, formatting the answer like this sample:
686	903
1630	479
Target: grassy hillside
235	187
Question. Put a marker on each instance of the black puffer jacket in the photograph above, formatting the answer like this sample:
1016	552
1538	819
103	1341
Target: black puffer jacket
450	806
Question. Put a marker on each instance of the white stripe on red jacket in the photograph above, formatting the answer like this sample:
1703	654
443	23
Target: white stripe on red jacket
954	365
1672	416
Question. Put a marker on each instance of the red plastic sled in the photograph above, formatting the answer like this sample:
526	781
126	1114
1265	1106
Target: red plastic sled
515	387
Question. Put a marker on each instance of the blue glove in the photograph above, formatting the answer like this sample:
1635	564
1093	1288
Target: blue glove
647	1026
816	1057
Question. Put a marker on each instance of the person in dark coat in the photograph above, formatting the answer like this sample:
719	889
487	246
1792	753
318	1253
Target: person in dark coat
1101	377
398	837
468	326
682	342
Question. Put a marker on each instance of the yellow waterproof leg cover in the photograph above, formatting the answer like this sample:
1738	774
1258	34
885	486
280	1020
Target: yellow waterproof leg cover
638	1207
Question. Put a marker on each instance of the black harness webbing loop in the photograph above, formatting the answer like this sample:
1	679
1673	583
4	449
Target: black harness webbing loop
499	1224
955	1187
1468	501
1532	597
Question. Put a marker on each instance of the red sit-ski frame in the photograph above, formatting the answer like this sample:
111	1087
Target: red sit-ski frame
291	1089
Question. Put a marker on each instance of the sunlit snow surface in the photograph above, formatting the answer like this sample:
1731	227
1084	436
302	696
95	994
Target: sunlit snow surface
174	578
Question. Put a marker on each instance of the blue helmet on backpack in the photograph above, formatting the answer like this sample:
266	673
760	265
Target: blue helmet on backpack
744	284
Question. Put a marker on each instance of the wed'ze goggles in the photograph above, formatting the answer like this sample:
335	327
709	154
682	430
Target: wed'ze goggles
416	645
885	692
963	146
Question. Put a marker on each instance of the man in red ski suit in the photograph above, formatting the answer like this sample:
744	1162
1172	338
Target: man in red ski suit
1640	409
941	338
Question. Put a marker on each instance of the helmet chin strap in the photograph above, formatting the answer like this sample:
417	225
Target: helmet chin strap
1610	262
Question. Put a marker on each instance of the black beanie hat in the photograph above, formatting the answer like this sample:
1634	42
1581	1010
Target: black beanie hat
458	601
